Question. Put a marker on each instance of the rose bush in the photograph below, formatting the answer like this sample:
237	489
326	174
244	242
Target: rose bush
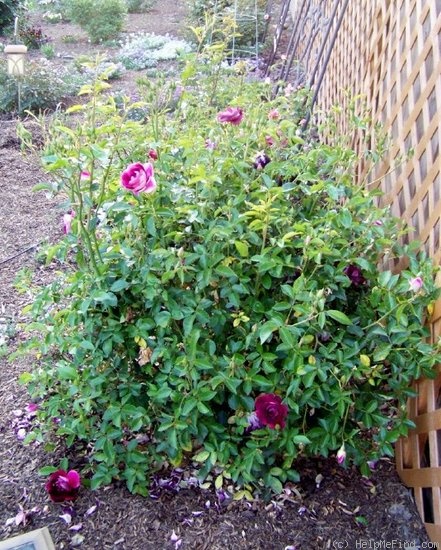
233	318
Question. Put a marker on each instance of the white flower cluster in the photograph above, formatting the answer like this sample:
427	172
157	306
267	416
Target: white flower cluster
141	51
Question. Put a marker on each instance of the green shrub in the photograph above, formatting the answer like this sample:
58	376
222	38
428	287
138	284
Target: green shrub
244	17
43	86
248	273
8	10
139	6
101	19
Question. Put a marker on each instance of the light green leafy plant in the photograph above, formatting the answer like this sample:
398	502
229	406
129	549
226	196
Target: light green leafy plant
141	51
139	6
221	301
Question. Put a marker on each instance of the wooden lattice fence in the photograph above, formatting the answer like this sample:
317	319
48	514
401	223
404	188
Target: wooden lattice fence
389	51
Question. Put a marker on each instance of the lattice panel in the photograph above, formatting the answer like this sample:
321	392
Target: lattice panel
390	52
405	93
418	457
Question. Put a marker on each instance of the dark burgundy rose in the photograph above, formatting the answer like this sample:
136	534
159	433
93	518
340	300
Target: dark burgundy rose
355	275
261	160
63	486
153	154
270	410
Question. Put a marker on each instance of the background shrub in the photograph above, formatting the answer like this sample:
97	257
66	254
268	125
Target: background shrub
245	25
8	10
139	6
101	19
32	36
43	86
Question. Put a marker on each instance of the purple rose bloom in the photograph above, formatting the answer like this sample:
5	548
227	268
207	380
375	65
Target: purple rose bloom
354	274
253	423
232	115
139	178
270	410
261	160
63	486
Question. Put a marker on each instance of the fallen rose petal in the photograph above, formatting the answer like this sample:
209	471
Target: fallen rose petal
66	517
17	413
20	518
176	539
77	540
91	510
76	527
21	434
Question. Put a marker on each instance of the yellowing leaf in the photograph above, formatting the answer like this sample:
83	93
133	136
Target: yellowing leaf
243	494
75	109
219	482
140	341
242	248
201	457
365	360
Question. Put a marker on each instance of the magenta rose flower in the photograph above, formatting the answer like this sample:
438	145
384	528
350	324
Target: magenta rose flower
139	178
153	154
270	410
232	115
63	486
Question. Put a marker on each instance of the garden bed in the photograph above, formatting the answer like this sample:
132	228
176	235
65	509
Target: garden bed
329	505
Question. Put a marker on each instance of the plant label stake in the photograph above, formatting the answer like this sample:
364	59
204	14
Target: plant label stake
15	54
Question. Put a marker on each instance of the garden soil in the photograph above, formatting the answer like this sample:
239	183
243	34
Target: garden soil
331	507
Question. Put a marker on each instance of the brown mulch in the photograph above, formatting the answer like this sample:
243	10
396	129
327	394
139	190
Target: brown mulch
338	510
